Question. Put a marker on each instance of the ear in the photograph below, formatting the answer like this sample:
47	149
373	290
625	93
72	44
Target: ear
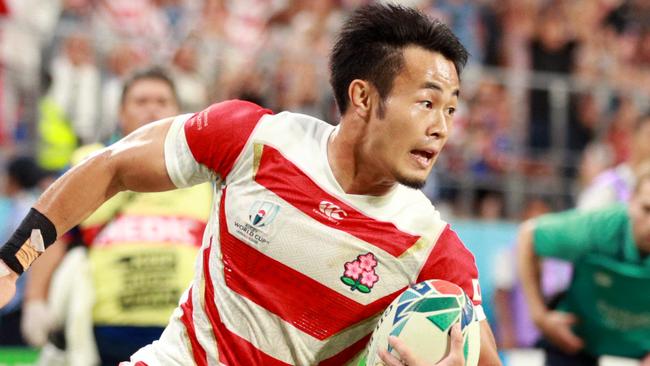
360	92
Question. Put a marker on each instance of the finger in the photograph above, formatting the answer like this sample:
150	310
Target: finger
388	359
569	341
456	340
403	350
569	318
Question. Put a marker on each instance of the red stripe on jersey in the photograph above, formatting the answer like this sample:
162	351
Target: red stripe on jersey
303	193
198	352
217	135
347	354
451	261
308	305
233	349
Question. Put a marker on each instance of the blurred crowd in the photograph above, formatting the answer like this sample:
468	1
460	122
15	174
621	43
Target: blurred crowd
553	96
550	95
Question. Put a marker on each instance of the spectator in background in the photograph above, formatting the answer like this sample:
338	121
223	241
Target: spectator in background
490	205
551	50
56	139
121	61
210	33
141	251
616	184
21	187
585	121
76	85
489	130
139	21
605	309
515	328
24	31
463	16
596	158
622	127
191	85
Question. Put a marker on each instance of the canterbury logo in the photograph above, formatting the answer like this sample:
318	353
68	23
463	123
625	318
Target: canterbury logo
332	211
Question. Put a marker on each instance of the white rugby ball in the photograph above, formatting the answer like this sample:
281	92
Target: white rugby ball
422	317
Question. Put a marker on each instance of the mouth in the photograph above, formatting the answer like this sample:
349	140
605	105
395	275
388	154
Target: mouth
423	157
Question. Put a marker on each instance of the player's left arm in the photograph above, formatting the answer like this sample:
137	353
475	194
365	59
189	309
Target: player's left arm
488	355
450	260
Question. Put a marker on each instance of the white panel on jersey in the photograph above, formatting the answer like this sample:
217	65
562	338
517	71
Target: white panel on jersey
183	169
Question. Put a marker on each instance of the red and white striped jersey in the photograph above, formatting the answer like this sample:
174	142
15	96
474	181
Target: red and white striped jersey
293	270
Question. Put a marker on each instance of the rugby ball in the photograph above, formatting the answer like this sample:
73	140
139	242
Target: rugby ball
422	316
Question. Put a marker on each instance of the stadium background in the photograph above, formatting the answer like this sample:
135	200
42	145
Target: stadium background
549	97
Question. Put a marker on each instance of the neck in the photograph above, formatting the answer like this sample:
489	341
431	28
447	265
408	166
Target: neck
350	165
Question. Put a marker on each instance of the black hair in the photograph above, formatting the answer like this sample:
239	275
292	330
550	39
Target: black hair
371	42
155	73
25	171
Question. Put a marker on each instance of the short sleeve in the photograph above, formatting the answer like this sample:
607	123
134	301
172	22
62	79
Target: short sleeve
206	145
217	135
451	261
182	168
570	235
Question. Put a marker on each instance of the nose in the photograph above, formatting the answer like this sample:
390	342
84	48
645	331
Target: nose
438	126
153	111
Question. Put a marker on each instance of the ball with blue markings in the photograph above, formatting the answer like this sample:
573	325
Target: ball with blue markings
422	316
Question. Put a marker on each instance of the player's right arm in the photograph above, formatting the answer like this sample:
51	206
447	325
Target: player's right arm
202	147
134	163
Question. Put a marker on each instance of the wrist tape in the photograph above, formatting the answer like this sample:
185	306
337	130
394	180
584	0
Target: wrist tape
30	239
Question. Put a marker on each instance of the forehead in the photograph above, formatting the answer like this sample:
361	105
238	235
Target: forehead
146	87
422	66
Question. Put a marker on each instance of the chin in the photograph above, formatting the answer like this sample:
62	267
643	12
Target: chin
412	182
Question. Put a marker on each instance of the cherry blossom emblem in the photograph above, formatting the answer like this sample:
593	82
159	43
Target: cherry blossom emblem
360	273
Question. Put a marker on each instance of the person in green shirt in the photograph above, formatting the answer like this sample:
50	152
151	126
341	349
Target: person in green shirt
606	310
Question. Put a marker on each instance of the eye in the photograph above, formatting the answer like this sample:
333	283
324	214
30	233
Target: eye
451	111
427	104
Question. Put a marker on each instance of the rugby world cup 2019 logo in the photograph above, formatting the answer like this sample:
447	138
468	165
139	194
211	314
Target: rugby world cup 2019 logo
257	229
262	213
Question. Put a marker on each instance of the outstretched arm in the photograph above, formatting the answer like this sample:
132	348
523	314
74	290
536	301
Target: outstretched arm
134	163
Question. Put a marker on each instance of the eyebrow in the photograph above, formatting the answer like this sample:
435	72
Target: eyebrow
435	86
